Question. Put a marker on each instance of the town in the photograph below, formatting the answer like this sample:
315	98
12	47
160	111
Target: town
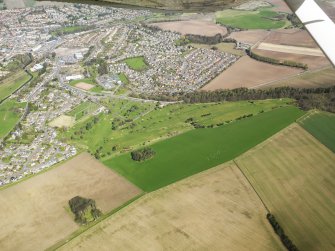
80	53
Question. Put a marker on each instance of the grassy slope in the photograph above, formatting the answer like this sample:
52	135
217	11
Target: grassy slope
160	123
198	150
9	116
322	126
260	19
295	176
9	85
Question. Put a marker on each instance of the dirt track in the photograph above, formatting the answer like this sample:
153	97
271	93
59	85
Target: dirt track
291	49
33	213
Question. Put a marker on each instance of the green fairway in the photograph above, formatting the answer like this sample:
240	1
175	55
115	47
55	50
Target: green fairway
260	19
136	63
322	126
12	83
125	128
9	115
198	150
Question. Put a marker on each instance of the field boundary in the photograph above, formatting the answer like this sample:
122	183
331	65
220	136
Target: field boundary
244	175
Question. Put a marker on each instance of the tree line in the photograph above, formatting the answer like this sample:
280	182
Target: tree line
276	61
306	98
280	232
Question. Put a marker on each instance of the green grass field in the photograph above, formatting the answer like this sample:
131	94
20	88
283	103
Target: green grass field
294	175
192	152
12	83
260	19
124	79
82	110
136	63
322	126
9	115
113	130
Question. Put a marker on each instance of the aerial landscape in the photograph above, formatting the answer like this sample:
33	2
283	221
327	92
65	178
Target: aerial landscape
165	125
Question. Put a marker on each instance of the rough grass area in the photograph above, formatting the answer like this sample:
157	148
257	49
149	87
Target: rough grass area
136	63
12	83
10	113
198	150
147	125
214	210
322	126
260	19
294	174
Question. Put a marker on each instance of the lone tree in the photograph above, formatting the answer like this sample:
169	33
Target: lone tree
84	210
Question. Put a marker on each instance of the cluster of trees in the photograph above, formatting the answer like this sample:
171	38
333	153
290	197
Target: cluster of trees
84	210
280	232
276	61
102	66
142	154
205	39
307	98
295	21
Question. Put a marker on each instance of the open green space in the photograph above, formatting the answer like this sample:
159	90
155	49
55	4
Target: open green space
260	19
12	83
322	126
83	110
136	63
70	30
10	113
131	125
197	150
124	79
294	175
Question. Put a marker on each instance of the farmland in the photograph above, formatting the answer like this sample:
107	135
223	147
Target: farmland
35	214
136	63
9	115
294	175
12	83
260	19
197	150
247	72
113	130
322	126
173	218
194	27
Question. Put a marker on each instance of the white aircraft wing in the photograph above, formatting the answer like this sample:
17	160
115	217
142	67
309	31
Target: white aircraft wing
318	24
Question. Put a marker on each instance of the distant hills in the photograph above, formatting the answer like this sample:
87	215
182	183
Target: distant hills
172	4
